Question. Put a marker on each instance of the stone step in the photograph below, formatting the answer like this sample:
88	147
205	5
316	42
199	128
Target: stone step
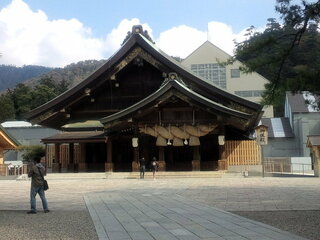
61	176
136	175
189	174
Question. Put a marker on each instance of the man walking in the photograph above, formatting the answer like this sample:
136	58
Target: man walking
36	172
142	163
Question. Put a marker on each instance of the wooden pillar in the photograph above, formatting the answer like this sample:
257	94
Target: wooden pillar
135	160
71	165
56	165
196	159
316	154
162	162
108	166
222	162
1	156
3	167
82	166
46	158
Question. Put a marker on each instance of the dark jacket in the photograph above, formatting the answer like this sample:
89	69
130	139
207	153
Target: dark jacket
36	179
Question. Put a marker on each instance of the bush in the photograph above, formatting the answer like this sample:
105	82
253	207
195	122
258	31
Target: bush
32	152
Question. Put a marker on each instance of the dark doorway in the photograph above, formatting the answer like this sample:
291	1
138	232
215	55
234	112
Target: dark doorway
96	155
148	149
122	154
178	158
209	152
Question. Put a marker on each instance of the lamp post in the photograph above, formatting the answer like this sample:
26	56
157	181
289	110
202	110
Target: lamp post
262	139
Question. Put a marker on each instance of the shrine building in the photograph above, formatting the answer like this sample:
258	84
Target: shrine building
143	103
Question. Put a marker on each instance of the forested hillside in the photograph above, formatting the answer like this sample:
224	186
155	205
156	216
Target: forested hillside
72	73
10	76
16	101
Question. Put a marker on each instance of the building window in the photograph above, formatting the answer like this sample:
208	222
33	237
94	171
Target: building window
213	72
235	73
258	93
253	93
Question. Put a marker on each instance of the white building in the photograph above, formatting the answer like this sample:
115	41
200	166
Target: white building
206	62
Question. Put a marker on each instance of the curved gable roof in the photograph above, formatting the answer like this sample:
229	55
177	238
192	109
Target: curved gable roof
136	39
181	88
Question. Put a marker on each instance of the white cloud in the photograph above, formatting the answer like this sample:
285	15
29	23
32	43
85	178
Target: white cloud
180	41
117	35
222	36
183	40
28	37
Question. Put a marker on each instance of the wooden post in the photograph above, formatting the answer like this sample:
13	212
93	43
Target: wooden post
316	151
1	156
82	161
71	165
56	165
108	166
135	160
46	156
3	167
196	159
162	161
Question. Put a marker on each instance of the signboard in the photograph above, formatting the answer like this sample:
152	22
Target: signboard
135	142
262	134
221	139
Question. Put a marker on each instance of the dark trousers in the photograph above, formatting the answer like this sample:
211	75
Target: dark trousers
142	170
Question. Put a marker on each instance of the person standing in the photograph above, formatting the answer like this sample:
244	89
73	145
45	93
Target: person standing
154	167
36	173
142	163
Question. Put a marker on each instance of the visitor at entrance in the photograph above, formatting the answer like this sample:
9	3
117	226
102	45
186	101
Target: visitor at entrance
154	167
36	172
142	163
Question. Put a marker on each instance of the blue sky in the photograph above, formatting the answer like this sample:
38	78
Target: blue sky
30	28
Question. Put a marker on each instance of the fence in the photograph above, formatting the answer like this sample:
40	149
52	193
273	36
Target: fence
9	169
288	168
246	152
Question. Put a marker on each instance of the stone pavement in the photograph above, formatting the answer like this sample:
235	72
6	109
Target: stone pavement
180	208
153	214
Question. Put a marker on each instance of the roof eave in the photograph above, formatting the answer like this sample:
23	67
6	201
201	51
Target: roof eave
125	113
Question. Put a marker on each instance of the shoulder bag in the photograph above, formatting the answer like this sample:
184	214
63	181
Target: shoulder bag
45	183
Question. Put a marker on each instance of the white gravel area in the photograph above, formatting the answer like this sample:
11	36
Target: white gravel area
301	223
53	225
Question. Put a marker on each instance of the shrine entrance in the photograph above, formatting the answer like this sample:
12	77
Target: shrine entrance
122	154
178	158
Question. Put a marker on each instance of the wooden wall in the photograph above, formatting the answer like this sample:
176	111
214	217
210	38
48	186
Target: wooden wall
244	152
64	154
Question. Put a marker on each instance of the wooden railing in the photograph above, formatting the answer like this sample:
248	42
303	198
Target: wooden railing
245	152
7	169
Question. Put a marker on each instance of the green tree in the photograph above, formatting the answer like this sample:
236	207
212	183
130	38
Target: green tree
41	94
31	152
287	54
22	100
7	108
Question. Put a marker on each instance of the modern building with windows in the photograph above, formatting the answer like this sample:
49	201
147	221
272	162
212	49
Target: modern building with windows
207	62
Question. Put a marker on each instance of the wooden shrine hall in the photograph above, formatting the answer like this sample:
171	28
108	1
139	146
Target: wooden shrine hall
7	142
143	103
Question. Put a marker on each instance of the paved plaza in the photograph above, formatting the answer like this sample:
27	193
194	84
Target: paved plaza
181	208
